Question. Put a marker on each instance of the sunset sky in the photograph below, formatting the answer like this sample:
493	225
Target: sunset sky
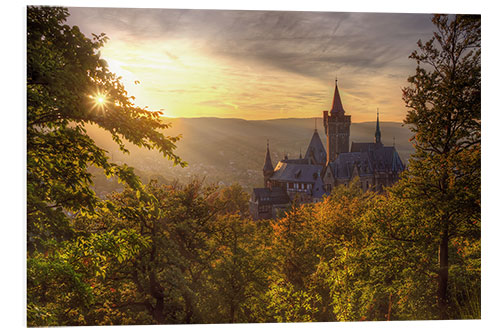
259	64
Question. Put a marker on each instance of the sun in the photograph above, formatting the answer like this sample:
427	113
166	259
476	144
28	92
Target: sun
99	99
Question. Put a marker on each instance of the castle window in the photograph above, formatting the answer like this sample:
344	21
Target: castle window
264	208
290	185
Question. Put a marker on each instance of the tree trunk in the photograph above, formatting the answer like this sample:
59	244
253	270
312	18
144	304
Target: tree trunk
156	291
443	274
232	312
158	311
188	308
390	307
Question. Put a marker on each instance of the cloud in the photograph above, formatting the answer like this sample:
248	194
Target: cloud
306	43
171	56
268	60
214	103
320	44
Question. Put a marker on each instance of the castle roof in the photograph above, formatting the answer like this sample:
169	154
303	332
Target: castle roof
268	165
298	173
369	157
337	103
345	164
296	161
377	132
316	151
386	159
362	146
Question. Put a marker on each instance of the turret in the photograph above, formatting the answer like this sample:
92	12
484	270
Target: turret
377	132
268	169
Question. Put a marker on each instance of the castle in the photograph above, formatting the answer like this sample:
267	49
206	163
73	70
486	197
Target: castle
309	178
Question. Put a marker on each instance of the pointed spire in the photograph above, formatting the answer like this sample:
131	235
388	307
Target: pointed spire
377	131
337	103
268	165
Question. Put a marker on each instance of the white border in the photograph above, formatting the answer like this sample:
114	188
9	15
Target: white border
13	148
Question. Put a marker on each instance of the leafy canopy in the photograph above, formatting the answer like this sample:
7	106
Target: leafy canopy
69	86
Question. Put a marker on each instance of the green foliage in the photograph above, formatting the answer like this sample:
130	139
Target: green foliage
287	303
237	278
198	252
60	281
317	247
65	73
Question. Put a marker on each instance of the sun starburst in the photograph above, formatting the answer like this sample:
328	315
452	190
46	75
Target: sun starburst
100	100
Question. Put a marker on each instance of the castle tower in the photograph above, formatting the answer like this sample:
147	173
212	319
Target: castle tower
337	128
377	132
268	169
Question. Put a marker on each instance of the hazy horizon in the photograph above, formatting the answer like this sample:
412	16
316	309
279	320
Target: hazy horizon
284	118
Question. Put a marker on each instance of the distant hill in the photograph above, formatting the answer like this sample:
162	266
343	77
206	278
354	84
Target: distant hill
232	150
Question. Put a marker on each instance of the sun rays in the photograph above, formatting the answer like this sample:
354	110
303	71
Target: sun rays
99	100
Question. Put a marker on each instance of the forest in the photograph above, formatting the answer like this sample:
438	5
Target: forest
166	252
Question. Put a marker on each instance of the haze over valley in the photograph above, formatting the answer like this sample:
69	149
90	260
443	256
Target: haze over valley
225	151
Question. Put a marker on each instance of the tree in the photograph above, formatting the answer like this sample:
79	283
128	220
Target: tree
69	284
444	102
199	260
318	248
237	279
400	256
68	87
